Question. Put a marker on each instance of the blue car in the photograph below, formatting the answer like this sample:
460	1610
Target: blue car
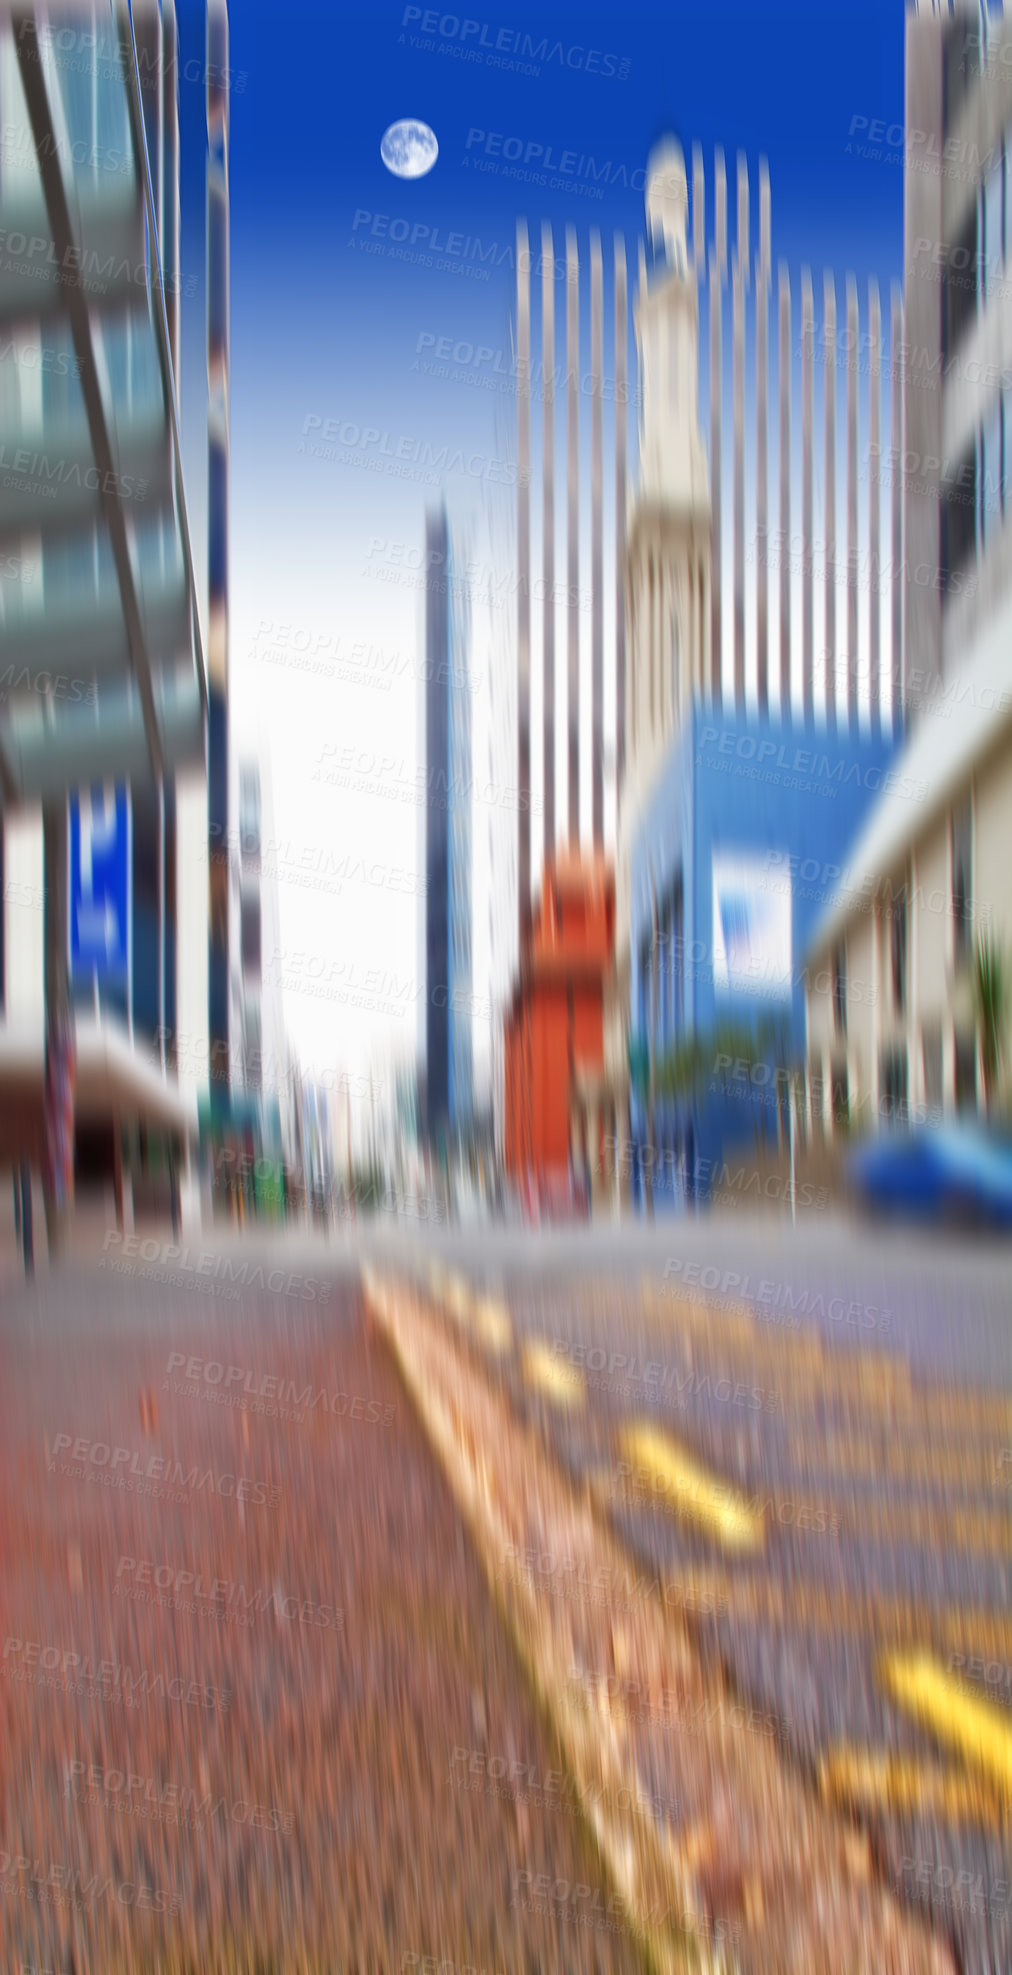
955	1172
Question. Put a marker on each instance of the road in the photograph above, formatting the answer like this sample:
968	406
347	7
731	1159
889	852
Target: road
807	1435
237	1684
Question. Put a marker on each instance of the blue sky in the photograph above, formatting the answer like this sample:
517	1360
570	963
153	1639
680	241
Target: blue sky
324	329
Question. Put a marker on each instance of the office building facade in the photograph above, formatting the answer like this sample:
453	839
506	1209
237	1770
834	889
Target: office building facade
893	1020
104	639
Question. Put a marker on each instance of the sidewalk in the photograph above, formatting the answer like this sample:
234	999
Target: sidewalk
711	1840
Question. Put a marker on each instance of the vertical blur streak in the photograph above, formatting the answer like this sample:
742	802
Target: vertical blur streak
738	345
718	265
219	965
896	387
621	441
740	289
548	521
762	378
807	494
830	394
785	492
573	523
597	538
523	576
874	482
852	551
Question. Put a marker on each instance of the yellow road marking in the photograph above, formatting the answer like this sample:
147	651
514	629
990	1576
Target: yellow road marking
486	1315
953	1713
878	1381
698	1495
985	1528
805	1605
874	1779
558	1381
491	1320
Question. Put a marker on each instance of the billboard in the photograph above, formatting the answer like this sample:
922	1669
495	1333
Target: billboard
100	884
751	929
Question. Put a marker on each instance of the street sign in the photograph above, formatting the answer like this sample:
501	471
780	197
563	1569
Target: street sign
100	884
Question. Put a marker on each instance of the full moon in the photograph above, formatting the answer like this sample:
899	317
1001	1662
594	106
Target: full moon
409	149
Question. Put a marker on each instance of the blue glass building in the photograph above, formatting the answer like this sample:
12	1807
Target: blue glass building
745	836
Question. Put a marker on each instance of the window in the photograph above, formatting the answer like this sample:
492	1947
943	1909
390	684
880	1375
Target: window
131	361
989	484
1006	452
893	1084
898	940
93	90
1006	159
966	1071
962	63
962	881
841	1096
961	276
78	569
158	551
932	1047
249	811
958	513
250	933
993	228
840	992
62	396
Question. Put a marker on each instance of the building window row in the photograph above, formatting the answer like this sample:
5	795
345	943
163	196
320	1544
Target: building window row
976	495
978	259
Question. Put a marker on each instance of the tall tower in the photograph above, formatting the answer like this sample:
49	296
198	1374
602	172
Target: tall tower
668	584
668	576
217	236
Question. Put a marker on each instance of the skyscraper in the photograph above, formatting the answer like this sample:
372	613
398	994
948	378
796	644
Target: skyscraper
95	120
896	1026
449	1045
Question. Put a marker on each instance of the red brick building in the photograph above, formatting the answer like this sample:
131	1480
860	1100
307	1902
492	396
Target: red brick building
555	1025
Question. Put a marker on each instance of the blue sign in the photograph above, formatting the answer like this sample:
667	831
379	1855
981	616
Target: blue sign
100	884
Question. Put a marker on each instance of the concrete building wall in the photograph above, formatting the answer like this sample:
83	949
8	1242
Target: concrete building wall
192	863
922	324
864	994
992	844
24	983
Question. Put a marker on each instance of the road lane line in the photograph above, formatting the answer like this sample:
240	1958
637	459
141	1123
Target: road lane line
701	1497
874	1779
551	1376
953	1713
806	1605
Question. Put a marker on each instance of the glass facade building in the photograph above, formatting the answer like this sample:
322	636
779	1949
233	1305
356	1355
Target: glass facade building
113	543
449	1042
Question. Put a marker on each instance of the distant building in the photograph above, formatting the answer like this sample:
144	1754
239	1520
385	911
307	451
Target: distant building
746	828
449	1043
555	1025
258	1052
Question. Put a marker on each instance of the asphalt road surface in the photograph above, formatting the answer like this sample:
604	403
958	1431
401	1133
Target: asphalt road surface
807	1433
